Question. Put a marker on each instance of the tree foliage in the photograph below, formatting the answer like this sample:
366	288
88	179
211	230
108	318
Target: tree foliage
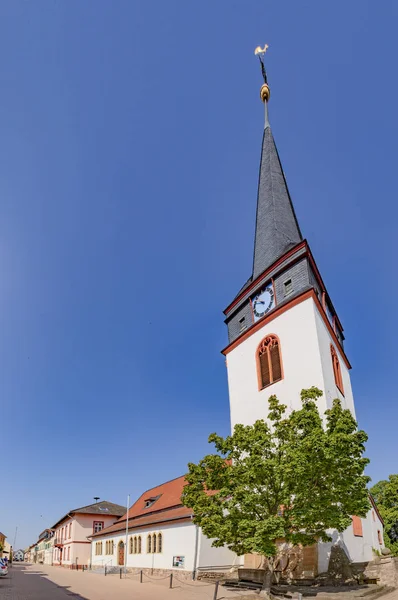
291	477
385	494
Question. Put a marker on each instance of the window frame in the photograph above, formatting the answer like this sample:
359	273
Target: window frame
288	287
357	528
159	544
102	523
338	377
271	338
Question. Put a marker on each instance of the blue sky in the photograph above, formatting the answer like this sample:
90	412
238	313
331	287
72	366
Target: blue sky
129	152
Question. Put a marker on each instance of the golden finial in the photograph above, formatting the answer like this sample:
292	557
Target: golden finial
265	91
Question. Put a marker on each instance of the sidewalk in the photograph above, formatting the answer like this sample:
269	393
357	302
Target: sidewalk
91	586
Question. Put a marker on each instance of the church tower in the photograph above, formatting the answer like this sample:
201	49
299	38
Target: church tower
284	332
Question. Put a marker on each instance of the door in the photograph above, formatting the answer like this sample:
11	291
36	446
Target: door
121	554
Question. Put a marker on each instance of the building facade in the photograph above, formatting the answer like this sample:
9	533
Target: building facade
3	538
19	555
159	536
70	541
285	334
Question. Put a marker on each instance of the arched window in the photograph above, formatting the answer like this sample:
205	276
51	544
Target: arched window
149	544
131	546
139	544
269	364
135	545
336	370
154	542
160	542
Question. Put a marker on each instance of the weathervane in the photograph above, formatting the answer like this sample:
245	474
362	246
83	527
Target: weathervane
265	91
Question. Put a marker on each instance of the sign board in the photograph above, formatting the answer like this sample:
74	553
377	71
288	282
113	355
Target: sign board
178	561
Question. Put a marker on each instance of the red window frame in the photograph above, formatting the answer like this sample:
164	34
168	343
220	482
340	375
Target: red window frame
337	370
102	523
357	526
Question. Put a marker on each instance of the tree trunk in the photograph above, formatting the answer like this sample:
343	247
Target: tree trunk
268	576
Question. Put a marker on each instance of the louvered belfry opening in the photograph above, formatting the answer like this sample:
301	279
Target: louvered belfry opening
269	361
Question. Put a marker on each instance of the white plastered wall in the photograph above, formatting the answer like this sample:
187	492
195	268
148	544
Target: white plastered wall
357	548
302	366
177	540
210	556
330	389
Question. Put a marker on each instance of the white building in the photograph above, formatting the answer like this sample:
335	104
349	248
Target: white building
284	336
18	555
161	537
284	332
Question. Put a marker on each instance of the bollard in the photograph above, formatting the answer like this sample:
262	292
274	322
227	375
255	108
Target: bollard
83	568
105	570
216	590
141	576
120	572
171	581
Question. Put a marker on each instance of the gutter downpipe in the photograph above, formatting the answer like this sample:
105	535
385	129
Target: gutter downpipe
196	554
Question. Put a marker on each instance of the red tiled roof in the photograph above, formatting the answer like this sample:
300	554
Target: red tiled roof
166	507
179	513
168	494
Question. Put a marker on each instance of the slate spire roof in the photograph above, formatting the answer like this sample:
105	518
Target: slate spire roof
277	228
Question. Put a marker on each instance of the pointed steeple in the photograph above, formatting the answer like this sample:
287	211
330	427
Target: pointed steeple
277	228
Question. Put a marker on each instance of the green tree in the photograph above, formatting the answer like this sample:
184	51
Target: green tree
385	494
290	478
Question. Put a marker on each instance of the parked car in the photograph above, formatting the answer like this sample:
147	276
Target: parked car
3	568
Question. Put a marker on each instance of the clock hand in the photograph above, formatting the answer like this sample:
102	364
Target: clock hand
260	302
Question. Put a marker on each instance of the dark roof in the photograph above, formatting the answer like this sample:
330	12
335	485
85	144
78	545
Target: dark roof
98	508
101	508
277	228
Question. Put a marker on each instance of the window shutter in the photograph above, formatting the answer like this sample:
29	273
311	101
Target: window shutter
264	367
276	363
357	526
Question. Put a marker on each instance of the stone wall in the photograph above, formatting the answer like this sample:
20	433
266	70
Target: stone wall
384	570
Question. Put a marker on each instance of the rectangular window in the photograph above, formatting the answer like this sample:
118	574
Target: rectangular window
242	324
98	526
98	548
357	526
288	287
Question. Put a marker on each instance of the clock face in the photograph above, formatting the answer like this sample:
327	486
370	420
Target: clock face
263	302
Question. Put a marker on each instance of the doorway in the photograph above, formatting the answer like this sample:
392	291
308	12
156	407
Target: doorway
121	554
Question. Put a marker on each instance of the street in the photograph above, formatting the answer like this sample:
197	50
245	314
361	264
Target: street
42	582
23	583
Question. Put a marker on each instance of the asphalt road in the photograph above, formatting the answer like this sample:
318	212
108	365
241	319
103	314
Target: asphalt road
23	584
